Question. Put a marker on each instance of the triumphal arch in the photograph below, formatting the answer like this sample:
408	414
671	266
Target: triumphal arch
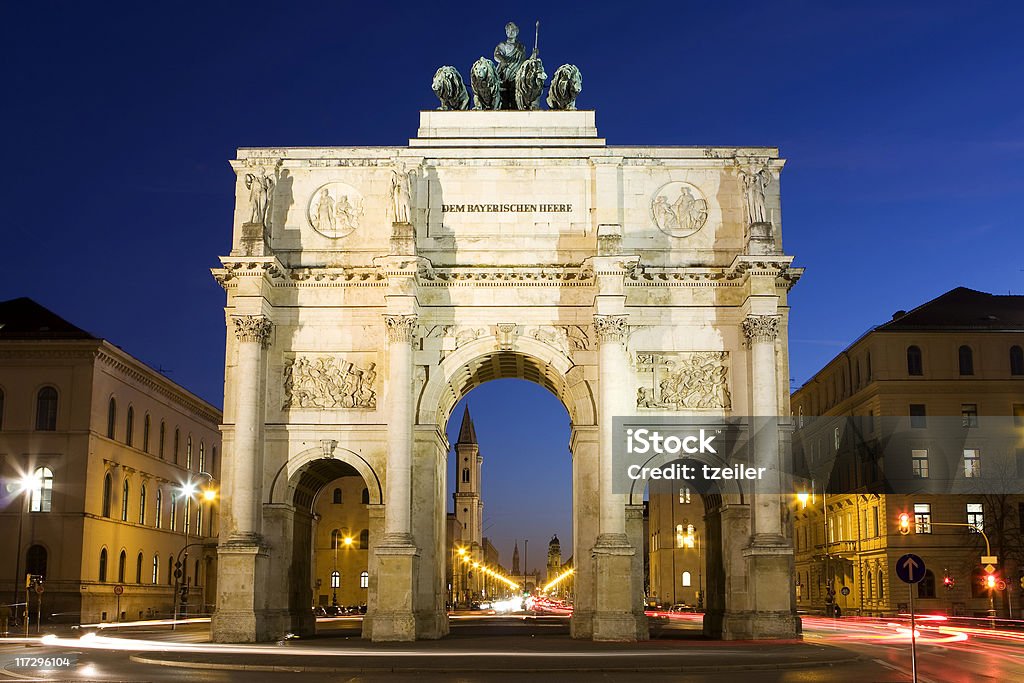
370	288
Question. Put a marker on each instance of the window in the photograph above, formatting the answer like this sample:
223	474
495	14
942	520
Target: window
335	579
836	438
156	570
111	417
213	459
364	580
366	497
364	539
966	358
142	505
170	569
881	585
686	579
926	588
680	536
919	463
922	518
684	495
35	560
177	442
868	357
121	561
1016	360
174	511
871	587
195	573
874	520
972	463
145	433
138	569
337	496
199	519
103	565
914	365
160	446
335	539
465	475
46	409
129	426
42	490
188	452
800	418
969	414
124	501
976	516
918	417
202	456
108	485
158	518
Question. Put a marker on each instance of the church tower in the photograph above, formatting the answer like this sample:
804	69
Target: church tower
554	559
469	508
515	559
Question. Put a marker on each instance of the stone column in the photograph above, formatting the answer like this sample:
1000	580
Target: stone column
615	613
397	555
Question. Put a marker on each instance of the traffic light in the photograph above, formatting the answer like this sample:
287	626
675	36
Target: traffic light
990	581
949	582
1022	580
904	523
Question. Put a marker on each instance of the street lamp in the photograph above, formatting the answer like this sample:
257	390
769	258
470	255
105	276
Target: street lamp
24	485
189	489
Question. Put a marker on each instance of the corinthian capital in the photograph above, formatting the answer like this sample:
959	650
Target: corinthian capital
610	327
401	328
253	328
761	328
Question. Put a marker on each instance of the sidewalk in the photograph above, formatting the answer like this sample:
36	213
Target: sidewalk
504	654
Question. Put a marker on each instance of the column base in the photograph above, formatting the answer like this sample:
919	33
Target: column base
759	626
618	614
394	618
241	617
581	624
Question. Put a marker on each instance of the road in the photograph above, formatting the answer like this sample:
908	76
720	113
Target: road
947	653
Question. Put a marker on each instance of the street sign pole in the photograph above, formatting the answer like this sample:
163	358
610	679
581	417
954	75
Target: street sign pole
911	570
913	634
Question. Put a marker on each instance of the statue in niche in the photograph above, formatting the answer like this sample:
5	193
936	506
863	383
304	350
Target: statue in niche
486	85
450	89
400	195
260	188
509	56
566	85
754	185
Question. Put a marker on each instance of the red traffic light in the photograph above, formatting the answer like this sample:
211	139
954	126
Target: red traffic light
904	523
949	582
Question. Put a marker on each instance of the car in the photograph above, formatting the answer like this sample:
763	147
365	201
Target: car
682	607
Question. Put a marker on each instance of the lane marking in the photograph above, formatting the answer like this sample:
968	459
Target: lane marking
906	672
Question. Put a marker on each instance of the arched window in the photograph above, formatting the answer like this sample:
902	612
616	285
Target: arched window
199	518
364	539
337	496
1016	365
145	433
42	490
366	497
684	495
335	539
914	362
124	501
103	564
142	505
364	580
170	569
174	511
213	459
926	588
686	579
129	426
160	446
158	513
966	358
335	579
121	562
188	452
111	417
155	578
881	585
35	560
108	485
871	588
195	574
138	568
202	456
177	443
465	475
46	409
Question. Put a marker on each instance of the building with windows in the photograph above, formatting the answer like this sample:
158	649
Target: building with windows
922	393
676	539
110	475
341	538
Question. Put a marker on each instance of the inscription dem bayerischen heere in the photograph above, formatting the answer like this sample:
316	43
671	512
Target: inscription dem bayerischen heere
506	208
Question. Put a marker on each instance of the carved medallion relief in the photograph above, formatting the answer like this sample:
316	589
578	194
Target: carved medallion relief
684	380
679	209
334	209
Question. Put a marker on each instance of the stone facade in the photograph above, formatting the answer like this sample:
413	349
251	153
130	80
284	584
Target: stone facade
526	248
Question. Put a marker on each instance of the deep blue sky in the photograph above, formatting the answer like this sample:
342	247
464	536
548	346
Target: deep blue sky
902	123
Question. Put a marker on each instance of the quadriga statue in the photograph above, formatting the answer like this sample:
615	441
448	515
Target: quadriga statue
450	89
566	85
530	84
483	79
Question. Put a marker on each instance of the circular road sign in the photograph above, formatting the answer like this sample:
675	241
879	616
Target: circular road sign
118	590
845	590
910	568
39	588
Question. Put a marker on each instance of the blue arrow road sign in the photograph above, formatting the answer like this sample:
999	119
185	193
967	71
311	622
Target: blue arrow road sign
910	568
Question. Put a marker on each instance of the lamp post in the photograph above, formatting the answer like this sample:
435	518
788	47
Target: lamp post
25	485
181	582
693	541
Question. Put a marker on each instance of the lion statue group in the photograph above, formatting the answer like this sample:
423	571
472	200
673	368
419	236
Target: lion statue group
566	85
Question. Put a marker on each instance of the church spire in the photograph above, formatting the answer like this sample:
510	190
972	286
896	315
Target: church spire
515	559
467	434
